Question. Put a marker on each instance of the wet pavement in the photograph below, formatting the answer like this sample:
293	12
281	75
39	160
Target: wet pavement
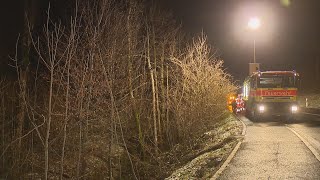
270	150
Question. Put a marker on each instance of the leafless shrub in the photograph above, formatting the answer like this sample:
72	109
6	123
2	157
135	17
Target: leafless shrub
115	89
199	96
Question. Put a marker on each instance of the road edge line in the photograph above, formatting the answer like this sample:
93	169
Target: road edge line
233	152
309	146
311	114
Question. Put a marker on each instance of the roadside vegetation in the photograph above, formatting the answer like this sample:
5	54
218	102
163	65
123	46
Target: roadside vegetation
112	91
311	99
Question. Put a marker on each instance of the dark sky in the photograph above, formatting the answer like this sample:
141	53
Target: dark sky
10	24
288	38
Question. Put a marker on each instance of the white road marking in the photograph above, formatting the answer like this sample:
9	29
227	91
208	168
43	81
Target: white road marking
306	142
311	114
225	164
232	154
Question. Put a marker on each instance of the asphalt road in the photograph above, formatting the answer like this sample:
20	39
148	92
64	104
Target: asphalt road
274	149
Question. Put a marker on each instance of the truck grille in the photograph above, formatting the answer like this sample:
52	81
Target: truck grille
279	107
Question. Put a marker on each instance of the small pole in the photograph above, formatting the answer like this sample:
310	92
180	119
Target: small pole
307	102
254	50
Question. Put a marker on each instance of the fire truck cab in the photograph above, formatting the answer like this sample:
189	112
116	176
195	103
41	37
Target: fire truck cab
271	93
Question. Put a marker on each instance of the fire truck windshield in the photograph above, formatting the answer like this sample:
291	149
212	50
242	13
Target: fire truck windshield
277	81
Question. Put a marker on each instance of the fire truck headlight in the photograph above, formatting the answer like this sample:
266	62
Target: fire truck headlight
294	108
261	108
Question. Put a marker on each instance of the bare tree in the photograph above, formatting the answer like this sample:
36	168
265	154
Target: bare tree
50	57
117	85
205	86
23	72
72	46
131	20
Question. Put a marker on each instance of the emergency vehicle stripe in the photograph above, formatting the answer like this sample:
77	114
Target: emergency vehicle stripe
265	92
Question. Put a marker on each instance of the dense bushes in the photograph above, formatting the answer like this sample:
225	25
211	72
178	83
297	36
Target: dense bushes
115	87
201	89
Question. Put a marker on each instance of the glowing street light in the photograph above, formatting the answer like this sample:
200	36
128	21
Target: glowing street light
254	23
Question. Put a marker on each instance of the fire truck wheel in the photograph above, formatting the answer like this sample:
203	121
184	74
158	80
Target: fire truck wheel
291	118
256	116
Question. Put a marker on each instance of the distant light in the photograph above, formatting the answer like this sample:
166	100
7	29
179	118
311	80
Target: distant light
254	23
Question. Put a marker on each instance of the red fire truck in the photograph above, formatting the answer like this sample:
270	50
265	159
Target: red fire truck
271	93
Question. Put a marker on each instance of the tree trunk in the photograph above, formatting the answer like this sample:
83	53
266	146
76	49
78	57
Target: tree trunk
21	111
80	98
3	128
66	117
156	81
154	106
136	115
162	85
167	104
80	156
317	70
46	145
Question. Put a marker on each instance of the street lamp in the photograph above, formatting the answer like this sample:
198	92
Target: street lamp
254	24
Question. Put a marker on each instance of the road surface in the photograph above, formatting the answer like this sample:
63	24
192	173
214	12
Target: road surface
278	150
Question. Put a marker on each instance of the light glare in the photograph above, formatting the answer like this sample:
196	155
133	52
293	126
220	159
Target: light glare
294	108
254	23
261	108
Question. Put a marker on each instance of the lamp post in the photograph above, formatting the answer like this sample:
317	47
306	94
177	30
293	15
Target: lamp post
254	24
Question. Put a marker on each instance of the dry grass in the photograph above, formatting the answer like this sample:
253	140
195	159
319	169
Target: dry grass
209	152
313	100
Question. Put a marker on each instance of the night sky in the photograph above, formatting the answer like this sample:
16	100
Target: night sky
288	38
10	25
